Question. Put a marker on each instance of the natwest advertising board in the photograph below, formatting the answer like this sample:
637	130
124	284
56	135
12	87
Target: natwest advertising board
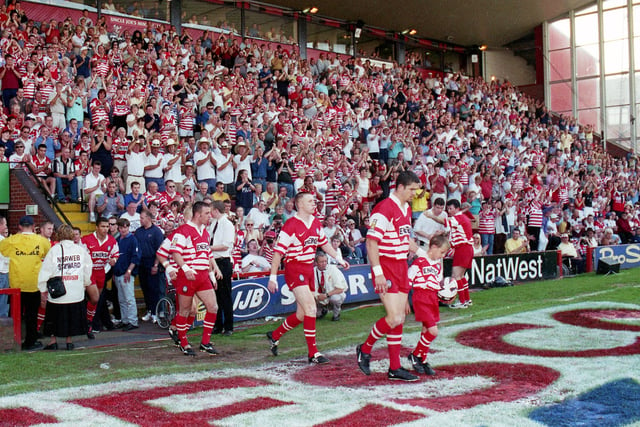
252	299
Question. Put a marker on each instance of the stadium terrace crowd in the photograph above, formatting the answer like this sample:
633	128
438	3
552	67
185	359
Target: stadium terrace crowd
155	121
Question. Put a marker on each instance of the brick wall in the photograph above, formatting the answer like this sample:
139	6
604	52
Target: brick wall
20	198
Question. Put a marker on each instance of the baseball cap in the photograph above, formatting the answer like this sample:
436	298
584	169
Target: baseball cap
155	143
26	220
270	235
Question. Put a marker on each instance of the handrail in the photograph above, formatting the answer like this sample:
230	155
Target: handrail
50	198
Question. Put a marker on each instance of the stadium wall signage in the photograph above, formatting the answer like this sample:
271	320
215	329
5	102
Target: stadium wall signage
251	298
627	255
516	267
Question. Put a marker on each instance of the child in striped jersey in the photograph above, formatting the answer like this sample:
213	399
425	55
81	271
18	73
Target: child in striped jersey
425	275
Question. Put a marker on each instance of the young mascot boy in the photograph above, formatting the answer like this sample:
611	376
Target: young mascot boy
425	275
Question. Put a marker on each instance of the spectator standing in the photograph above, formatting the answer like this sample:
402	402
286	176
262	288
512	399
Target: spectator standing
10	78
124	272
149	237
223	234
25	251
66	315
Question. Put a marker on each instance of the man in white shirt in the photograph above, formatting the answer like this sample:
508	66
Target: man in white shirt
132	216
225	166
425	227
259	215
204	161
135	165
153	166
252	262
223	234
331	287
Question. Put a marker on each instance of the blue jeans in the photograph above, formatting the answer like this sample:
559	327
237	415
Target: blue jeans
487	240
73	188
4	299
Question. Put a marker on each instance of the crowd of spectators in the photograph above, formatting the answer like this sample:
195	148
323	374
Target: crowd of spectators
152	119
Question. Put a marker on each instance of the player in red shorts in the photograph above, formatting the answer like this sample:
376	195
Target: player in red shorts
297	243
425	275
461	238
196	266
388	244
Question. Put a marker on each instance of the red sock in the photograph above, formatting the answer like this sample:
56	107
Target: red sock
310	334
41	312
288	324
91	311
394	342
190	321
181	325
207	327
422	348
463	290
380	329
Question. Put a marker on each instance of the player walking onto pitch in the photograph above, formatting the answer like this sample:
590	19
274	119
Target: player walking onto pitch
193	256
461	237
388	242
425	275
297	243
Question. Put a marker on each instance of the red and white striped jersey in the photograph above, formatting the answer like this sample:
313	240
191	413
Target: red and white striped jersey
119	148
487	222
165	250
99	112
45	164
535	214
101	65
193	245
187	118
298	241
120	106
390	226
29	84
101	252
460	231
426	274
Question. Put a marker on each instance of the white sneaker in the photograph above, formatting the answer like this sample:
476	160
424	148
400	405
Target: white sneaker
154	318
469	303
146	317
458	305
92	217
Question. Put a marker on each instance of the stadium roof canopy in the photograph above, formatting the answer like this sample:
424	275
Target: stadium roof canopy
494	23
